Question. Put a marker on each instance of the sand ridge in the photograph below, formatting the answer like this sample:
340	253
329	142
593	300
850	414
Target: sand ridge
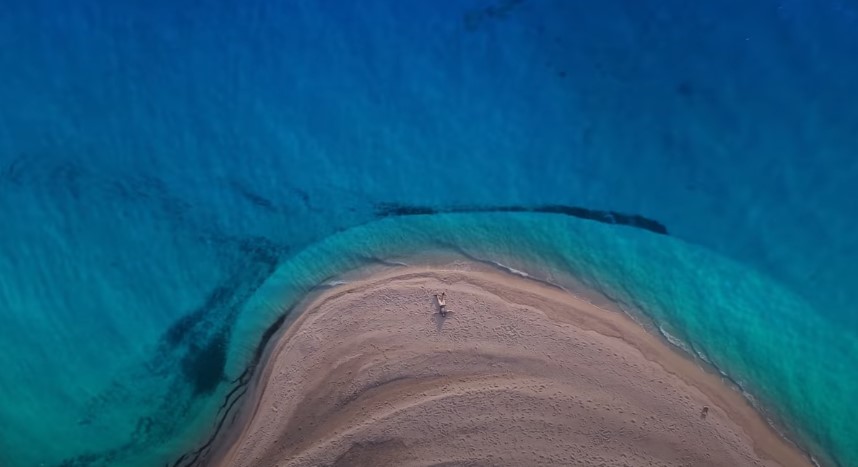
519	373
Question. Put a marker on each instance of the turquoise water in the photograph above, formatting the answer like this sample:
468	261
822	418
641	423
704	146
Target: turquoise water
173	175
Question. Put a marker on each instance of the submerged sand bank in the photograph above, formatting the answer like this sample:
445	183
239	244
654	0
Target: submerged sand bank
519	373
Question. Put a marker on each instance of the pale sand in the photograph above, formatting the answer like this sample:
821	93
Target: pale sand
519	373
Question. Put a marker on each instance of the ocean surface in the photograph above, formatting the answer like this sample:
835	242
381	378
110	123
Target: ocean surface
174	175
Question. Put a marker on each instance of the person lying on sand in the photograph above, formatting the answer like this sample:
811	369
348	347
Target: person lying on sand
442	303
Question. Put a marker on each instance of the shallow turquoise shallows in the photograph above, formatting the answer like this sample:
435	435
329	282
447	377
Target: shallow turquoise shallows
174	175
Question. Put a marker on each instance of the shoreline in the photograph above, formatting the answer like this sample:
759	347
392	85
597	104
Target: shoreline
768	441
601	299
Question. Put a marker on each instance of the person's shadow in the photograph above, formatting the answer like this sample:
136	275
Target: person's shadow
437	316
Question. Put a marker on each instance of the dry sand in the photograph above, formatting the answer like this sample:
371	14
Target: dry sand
520	373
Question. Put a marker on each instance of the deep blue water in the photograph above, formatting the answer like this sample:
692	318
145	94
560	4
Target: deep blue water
174	174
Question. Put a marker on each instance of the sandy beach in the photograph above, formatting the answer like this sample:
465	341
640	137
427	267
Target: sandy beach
518	373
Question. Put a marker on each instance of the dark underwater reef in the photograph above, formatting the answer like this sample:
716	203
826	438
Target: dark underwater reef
605	217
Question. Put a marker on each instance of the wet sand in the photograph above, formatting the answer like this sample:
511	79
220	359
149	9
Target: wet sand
519	373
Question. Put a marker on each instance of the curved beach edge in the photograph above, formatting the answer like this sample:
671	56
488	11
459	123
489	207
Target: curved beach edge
520	372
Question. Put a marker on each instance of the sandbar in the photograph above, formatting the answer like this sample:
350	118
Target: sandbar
518	373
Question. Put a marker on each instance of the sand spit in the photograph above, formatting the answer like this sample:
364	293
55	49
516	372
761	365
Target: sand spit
519	373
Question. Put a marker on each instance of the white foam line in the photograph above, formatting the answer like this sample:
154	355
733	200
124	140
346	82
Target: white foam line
675	341
510	269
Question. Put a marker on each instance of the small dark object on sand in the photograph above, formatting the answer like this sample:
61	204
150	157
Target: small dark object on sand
704	412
